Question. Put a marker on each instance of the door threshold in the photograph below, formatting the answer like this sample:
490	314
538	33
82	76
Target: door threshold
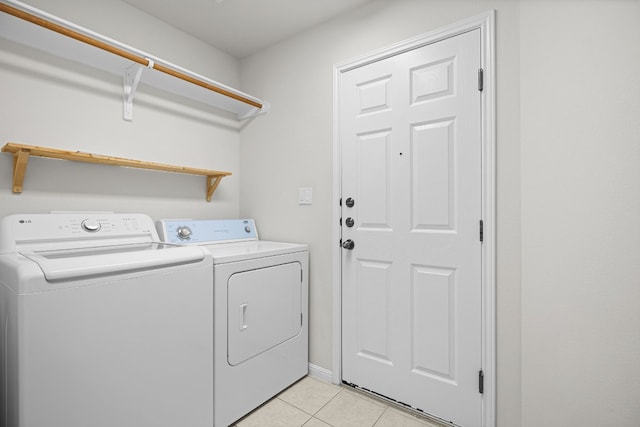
418	413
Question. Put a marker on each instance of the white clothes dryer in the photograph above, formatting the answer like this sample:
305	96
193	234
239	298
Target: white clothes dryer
260	311
102	325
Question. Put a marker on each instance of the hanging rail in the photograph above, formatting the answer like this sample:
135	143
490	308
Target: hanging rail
18	13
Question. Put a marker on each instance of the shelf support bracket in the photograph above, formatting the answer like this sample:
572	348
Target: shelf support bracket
20	160
212	184
132	76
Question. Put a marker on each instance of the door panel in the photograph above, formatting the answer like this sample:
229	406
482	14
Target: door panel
373	171
373	286
433	322
433	80
433	175
411	287
373	96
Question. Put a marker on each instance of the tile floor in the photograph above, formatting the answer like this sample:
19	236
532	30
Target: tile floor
314	403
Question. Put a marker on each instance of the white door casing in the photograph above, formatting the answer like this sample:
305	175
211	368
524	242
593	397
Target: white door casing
416	300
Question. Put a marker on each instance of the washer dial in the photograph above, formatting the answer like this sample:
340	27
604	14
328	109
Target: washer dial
91	225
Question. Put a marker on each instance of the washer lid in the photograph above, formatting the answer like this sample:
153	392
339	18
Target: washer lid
231	252
106	260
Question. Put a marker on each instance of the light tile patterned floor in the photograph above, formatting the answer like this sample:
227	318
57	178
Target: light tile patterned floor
314	403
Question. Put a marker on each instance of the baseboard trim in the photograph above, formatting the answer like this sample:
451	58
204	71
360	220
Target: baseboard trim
320	373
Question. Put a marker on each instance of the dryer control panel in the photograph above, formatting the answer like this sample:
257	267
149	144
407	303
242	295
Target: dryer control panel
207	230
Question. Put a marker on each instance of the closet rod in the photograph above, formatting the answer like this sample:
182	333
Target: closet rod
120	52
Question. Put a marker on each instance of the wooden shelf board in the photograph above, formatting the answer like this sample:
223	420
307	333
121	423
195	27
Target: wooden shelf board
22	152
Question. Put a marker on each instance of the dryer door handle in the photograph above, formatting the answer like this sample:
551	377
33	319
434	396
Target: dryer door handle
243	316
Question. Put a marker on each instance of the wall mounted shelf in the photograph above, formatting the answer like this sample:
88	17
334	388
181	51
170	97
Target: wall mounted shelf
27	25
22	152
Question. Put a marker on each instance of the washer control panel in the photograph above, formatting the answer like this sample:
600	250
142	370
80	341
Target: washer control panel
207	231
27	230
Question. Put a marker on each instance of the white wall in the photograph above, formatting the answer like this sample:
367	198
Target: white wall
580	136
51	102
291	147
568	285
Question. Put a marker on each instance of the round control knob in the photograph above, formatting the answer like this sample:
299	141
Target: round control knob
348	244
350	222
184	232
90	225
350	202
247	229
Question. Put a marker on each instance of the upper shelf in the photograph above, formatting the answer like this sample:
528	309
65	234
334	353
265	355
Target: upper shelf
27	25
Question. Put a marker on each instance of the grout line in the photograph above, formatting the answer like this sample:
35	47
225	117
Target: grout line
317	419
380	416
303	410
292	405
323	406
296	408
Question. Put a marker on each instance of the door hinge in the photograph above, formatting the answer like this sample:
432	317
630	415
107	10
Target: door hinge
480	79
481	230
481	382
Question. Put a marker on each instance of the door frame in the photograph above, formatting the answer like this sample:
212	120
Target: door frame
486	23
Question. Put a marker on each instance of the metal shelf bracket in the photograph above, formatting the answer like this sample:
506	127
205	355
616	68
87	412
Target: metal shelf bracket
132	76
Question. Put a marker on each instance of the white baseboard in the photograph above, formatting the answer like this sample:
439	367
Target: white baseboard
320	373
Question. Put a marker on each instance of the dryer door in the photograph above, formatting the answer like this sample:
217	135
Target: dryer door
264	309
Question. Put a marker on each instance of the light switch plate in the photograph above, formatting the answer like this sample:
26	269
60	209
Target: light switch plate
305	195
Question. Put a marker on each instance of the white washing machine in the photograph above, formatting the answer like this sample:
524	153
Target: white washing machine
260	311
102	324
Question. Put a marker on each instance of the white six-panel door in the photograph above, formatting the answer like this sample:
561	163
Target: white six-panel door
410	132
